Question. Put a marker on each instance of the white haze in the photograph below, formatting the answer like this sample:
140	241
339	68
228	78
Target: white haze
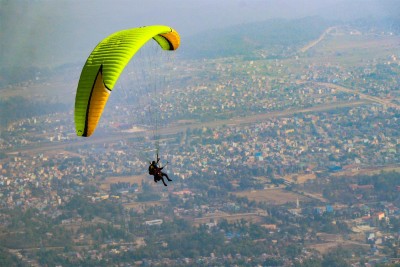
54	32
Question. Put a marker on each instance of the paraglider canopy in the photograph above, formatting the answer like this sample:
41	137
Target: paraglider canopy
104	66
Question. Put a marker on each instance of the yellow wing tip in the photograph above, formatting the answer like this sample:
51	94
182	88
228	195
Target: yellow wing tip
173	38
82	134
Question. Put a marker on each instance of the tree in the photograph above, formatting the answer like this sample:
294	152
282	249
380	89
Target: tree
337	258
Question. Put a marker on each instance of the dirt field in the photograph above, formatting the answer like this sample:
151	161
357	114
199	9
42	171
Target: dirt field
369	171
324	248
300	178
351	49
105	185
142	205
371	42
57	89
332	241
272	196
252	217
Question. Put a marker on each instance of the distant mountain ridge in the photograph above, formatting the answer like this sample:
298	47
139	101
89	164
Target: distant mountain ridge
275	38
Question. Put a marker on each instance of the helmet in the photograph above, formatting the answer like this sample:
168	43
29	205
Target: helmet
153	162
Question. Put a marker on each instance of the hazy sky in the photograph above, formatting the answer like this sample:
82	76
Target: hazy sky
40	30
197	15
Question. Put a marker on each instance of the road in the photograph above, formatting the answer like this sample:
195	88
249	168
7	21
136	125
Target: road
375	99
315	42
49	146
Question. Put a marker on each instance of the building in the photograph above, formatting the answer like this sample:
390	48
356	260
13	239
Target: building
154	222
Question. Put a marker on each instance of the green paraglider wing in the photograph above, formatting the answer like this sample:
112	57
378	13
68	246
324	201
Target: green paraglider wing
104	66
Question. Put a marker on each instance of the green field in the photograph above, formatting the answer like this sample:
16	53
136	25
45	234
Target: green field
352	50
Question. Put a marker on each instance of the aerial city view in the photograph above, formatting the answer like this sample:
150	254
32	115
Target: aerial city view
200	133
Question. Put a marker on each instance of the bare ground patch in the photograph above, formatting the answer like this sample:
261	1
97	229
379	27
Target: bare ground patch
252	217
300	178
105	185
369	171
273	196
331	241
144	205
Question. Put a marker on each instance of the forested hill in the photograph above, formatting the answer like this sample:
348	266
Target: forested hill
272	35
